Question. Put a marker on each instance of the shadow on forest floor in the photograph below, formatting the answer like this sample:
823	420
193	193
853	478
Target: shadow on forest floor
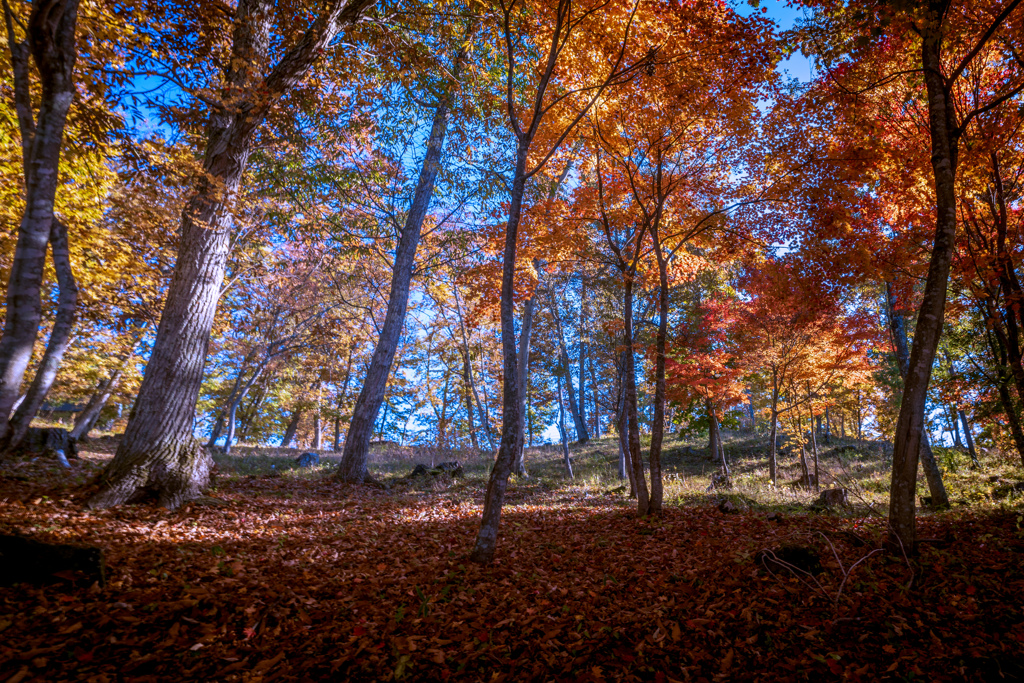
290	575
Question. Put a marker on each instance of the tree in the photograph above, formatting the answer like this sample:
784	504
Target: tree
158	451
50	40
357	441
968	69
559	101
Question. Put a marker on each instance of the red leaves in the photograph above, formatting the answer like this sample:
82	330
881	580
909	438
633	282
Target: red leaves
395	593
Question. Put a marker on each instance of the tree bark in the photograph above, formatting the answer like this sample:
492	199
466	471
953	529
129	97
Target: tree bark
561	429
357	442
622	426
581	429
494	496
715	437
630	400
582	356
158	450
342	397
525	334
970	440
60	336
910	425
898	329
954	426
773	430
814	441
467	391
236	400
51	42
658	428
293	426
86	420
597	403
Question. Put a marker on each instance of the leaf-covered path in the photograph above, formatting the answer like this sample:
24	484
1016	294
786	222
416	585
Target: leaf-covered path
296	579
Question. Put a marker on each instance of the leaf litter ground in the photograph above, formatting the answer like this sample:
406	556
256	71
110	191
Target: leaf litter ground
296	579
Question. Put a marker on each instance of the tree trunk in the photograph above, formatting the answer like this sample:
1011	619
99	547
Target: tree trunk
342	397
51	42
467	386
60	336
658	428
773	430
625	463
318	432
597	404
561	429
582	356
158	449
814	443
218	427
293	426
468	360
898	329
581	429
357	442
236	400
910	425
954	426
997	348
1012	417
630	400
481	407
525	334
494	496
86	419
715	438
970	440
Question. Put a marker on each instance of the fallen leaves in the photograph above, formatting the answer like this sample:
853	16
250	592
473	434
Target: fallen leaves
347	583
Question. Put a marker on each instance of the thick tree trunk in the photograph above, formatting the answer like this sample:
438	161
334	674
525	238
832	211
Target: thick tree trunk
51	42
581	429
86	420
293	426
357	442
60	336
158	449
494	496
910	425
898	329
596	399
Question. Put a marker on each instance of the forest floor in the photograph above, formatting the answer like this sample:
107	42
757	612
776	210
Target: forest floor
284	574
